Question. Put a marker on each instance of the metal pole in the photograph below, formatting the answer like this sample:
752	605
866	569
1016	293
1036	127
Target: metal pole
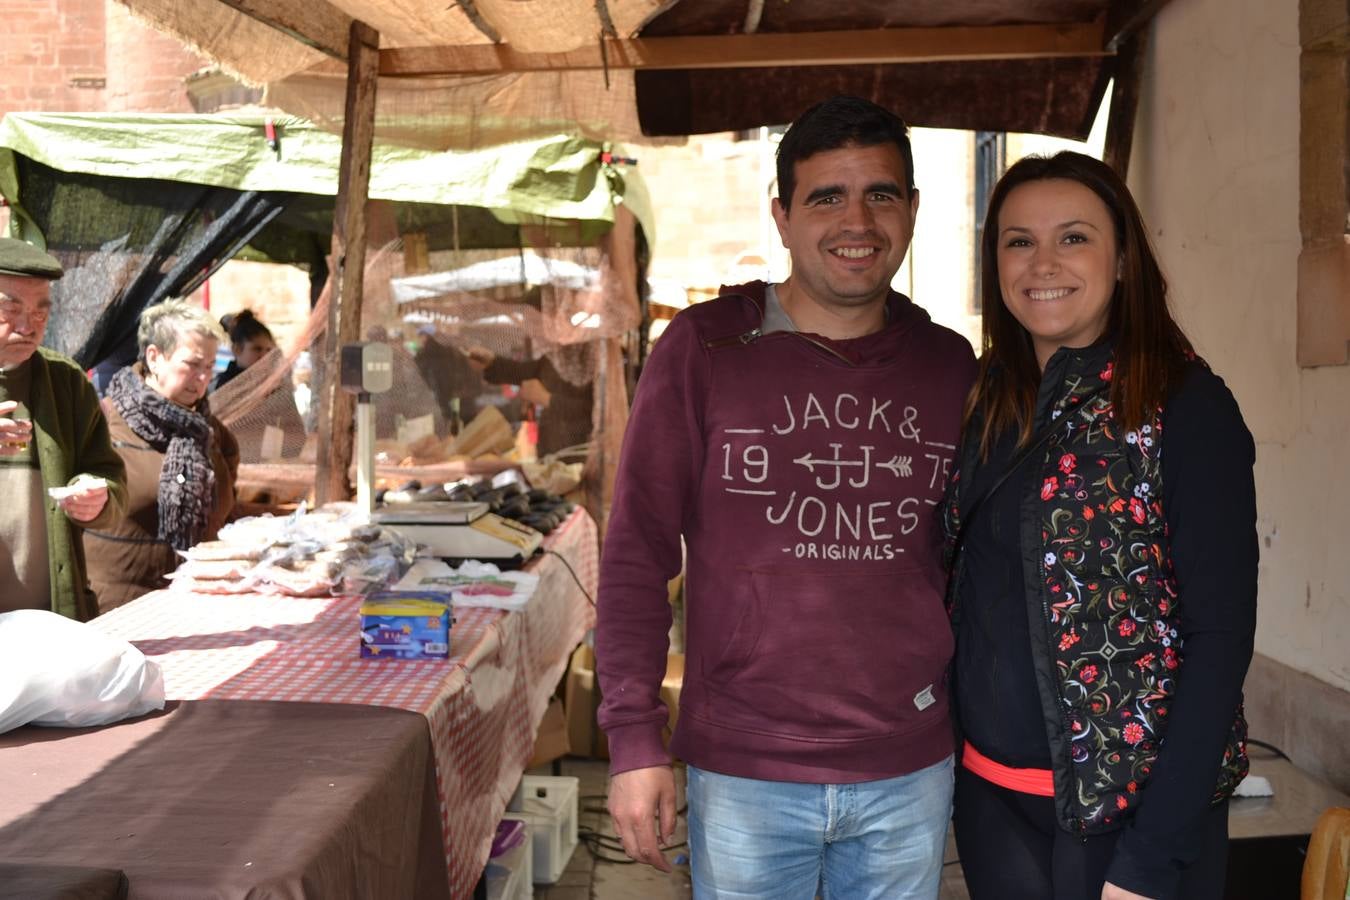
365	453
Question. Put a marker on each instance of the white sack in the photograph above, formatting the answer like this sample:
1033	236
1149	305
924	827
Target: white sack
56	671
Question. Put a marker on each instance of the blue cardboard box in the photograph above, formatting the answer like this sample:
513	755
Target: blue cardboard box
405	625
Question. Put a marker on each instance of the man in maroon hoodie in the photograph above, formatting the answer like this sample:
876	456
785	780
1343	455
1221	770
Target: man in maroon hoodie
797	437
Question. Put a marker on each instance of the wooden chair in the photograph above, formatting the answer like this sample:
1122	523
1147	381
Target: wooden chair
1327	866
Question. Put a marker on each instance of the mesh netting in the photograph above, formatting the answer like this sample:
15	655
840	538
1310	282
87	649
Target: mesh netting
129	243
556	322
446	112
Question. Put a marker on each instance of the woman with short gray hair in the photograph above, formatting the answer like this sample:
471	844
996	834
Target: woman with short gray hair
181	461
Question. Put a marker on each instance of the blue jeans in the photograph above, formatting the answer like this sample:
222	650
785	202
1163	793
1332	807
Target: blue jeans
775	840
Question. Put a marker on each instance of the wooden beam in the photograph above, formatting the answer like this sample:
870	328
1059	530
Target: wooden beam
820	48
314	23
336	406
1129	71
1125	18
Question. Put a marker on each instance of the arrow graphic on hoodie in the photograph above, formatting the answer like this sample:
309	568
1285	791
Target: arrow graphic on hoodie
899	466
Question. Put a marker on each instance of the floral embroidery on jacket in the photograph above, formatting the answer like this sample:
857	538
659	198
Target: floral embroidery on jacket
1110	598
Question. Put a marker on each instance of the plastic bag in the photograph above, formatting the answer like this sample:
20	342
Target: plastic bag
56	671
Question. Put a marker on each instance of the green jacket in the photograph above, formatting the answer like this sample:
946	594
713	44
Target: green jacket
71	437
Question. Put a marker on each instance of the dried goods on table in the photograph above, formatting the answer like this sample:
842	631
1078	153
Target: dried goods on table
333	550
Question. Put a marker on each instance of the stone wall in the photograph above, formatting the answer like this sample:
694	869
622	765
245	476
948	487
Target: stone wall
52	56
88	56
1216	172
146	68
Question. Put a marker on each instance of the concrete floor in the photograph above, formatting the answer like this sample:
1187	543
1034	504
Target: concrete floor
590	878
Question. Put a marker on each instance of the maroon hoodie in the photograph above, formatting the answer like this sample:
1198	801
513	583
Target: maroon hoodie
803	475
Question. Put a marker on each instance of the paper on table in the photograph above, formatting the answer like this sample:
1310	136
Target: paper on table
1254	786
473	584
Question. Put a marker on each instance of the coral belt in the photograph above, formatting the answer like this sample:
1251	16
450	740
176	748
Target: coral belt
1040	782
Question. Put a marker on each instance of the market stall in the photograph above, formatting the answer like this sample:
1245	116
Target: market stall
143	207
286	762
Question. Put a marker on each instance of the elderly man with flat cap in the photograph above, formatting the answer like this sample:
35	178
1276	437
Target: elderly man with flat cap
52	435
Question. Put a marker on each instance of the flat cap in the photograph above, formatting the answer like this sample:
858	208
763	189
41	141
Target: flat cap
21	258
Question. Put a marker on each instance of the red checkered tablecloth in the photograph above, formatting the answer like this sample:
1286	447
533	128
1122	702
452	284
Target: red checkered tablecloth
483	705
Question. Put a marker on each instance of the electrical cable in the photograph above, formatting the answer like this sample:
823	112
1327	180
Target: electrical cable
1253	742
586	593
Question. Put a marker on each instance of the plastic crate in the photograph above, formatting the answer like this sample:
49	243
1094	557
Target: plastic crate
549	805
511	875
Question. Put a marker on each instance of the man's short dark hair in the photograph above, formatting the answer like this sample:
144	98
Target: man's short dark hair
841	121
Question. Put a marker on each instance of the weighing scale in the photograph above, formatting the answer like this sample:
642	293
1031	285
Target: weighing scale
462	530
452	530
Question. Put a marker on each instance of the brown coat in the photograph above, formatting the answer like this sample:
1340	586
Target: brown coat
128	560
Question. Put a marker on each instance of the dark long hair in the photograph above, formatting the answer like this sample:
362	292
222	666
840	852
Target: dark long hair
1150	347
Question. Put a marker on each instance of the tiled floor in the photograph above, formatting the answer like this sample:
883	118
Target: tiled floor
590	878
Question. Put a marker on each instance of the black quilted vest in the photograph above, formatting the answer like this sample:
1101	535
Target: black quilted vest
1097	571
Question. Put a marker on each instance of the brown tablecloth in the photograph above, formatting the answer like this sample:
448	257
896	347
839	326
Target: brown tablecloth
224	657
234	798
36	882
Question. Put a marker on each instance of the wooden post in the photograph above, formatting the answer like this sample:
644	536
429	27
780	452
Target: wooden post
1129	72
336	407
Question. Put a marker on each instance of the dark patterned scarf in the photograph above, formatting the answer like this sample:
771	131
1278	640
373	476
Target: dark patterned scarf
187	483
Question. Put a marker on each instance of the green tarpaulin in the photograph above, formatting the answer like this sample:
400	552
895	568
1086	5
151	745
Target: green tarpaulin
556	178
142	207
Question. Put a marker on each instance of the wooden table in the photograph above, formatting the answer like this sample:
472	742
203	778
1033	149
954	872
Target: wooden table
1299	799
1269	835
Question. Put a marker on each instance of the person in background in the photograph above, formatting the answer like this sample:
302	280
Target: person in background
181	461
251	412
794	437
454	380
224	355
564	408
250	340
1103	520
52	435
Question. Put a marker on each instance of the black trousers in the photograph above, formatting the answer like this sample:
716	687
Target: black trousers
1011	849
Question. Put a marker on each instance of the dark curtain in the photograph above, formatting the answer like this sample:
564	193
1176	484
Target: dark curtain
128	243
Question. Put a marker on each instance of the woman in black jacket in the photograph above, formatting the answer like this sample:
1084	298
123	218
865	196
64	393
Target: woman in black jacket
250	340
1103	591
